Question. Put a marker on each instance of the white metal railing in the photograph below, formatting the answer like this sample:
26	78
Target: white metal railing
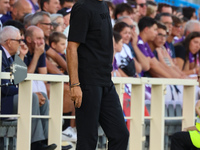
137	108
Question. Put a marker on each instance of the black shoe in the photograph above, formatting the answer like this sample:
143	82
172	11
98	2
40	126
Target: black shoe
41	146
66	147
48	147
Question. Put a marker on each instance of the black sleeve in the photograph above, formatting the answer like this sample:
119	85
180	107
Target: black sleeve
155	54
180	52
79	23
46	47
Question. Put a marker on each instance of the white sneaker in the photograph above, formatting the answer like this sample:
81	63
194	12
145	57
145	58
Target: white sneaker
69	134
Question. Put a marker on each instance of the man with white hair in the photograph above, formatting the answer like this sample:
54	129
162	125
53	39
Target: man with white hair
10	44
192	26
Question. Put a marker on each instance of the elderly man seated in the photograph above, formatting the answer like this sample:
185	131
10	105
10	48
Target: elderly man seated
10	44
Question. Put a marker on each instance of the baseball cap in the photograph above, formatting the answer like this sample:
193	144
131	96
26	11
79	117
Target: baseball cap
64	11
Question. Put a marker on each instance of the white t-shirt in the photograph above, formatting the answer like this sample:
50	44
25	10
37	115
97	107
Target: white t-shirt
121	57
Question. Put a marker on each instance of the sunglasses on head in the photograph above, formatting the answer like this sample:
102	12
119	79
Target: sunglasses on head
142	4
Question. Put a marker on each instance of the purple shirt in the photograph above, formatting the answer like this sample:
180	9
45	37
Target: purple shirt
191	57
144	48
168	49
115	67
177	40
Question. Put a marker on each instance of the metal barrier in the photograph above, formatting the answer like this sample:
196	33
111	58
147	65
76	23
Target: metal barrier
137	108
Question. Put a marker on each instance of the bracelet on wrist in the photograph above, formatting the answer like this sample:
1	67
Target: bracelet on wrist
74	85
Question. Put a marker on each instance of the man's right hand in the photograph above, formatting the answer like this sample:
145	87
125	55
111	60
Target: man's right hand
76	96
41	98
39	48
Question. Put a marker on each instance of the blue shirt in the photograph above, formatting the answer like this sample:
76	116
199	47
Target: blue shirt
41	61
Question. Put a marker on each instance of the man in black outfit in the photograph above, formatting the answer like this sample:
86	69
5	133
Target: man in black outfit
89	58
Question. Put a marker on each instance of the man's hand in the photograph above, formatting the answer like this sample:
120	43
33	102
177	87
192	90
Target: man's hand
39	48
23	49
134	38
76	96
41	98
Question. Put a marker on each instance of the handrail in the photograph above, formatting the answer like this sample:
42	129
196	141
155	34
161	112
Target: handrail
136	117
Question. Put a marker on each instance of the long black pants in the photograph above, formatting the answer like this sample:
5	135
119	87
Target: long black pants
182	141
100	105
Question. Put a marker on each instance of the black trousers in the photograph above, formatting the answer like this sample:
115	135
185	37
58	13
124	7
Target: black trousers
182	141
100	105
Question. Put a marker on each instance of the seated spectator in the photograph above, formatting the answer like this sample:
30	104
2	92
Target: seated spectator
151	9
35	6
124	59
111	7
43	21
20	9
50	6
148	32
189	13
189	137
10	43
117	47
57	41
176	29
162	52
166	19
27	20
142	7
181	37
135	16
58	22
133	43
123	9
66	12
16	24
164	8
191	44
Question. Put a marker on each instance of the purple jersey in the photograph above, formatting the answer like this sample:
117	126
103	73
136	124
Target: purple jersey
144	48
168	49
191	57
115	67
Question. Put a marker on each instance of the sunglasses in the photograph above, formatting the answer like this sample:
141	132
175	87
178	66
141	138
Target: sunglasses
17	40
142	4
48	24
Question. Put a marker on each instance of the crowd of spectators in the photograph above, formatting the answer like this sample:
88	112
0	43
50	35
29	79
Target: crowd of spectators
149	40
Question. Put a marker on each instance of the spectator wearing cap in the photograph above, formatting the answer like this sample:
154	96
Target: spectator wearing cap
66	12
50	6
67	3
